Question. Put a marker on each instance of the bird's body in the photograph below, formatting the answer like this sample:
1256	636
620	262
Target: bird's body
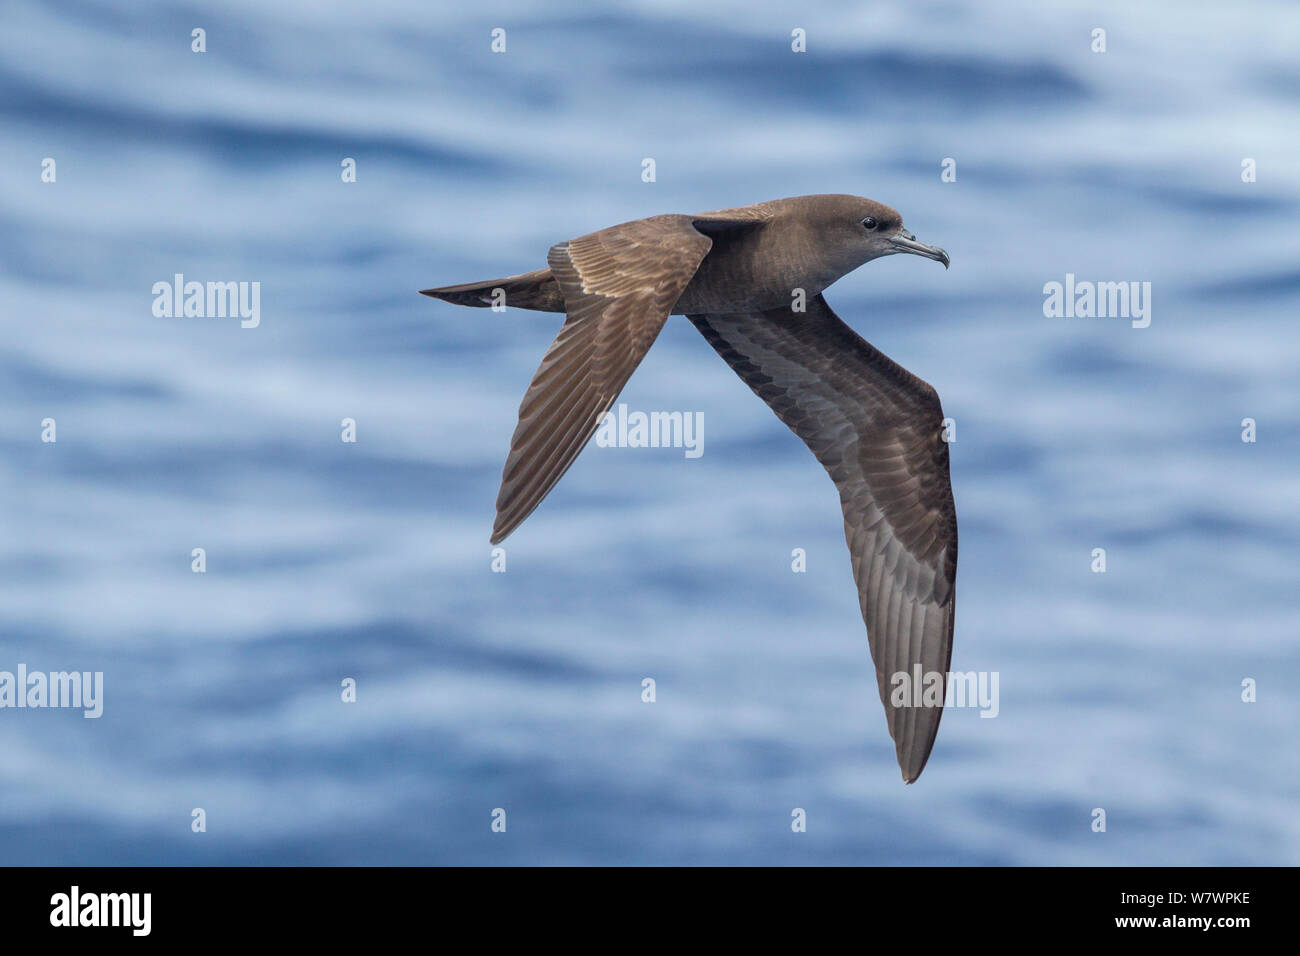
750	279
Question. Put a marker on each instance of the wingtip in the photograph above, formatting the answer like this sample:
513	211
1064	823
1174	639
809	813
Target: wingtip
912	764
910	777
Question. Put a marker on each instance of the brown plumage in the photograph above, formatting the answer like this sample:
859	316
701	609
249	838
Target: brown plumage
741	275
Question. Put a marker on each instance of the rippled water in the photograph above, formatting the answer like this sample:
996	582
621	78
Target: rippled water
328	560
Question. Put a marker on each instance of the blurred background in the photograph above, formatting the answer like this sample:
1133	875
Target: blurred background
479	690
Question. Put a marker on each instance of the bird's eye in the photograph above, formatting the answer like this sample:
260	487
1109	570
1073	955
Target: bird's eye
869	223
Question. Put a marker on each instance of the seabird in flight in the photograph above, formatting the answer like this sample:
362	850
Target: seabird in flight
876	428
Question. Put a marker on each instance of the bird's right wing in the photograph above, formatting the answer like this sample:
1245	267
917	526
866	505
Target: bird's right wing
619	285
878	431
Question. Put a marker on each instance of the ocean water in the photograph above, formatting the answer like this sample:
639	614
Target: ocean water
328	560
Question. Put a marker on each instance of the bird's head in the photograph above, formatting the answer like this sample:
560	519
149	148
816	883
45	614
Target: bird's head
859	230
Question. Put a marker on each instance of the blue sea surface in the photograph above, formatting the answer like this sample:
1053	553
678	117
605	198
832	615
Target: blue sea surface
328	560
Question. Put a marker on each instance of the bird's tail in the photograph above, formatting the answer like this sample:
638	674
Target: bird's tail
531	290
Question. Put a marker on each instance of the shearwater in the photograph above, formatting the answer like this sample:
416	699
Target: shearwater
751	280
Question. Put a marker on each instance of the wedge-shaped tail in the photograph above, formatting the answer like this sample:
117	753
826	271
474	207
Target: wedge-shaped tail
531	290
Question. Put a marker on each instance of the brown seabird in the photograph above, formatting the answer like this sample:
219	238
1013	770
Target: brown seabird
876	428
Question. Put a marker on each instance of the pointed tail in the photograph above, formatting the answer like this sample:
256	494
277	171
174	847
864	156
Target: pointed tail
531	290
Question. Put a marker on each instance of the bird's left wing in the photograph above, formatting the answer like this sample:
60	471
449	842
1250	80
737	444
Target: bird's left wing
878	431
